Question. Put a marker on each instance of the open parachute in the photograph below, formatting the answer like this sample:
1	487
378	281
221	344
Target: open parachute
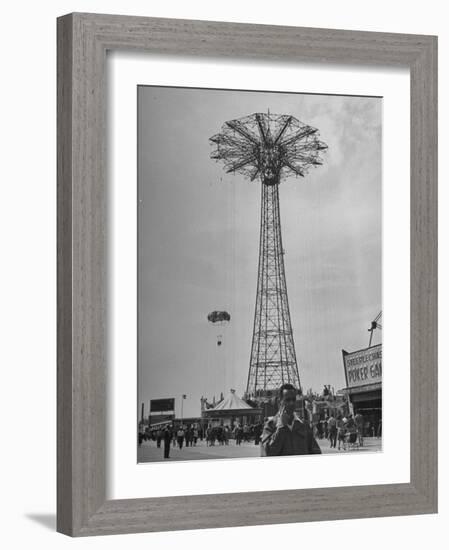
219	318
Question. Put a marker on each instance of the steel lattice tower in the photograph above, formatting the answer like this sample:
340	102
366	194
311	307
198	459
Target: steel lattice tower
269	147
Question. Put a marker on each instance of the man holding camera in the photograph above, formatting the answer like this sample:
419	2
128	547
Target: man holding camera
285	433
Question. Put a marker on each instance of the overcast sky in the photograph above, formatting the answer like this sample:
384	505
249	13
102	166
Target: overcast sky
199	239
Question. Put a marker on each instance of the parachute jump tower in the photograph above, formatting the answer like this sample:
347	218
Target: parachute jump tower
270	148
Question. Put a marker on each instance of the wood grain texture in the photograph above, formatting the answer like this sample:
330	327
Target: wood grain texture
423	273
64	277
83	40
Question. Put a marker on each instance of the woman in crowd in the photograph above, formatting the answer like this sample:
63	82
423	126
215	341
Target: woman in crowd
341	432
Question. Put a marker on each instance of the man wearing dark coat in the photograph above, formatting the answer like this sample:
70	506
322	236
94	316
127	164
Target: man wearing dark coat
167	440
285	433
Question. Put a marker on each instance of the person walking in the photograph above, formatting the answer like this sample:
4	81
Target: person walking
189	436
332	431
209	436
326	428
180	436
257	434
238	435
358	418
341	432
219	432
167	440
379	429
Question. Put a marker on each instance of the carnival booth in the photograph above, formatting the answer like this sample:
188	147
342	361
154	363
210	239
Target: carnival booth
230	411
363	371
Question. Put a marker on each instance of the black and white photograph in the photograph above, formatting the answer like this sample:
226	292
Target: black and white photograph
259	274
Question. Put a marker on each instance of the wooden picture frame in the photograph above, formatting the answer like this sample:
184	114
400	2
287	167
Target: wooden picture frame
83	40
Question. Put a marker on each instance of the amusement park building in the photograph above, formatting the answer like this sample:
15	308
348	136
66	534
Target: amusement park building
230	411
363	372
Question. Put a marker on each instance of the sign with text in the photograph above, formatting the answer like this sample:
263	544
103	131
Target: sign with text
363	367
162	405
160	420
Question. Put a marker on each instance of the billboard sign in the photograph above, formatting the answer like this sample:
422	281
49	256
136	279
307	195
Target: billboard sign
162	405
363	367
160	420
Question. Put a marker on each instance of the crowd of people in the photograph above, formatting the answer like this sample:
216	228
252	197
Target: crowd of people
245	433
346	430
183	436
342	432
188	435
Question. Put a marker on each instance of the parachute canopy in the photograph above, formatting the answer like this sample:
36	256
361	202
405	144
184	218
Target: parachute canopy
218	317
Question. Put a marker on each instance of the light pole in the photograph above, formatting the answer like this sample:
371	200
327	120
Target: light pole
184	396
